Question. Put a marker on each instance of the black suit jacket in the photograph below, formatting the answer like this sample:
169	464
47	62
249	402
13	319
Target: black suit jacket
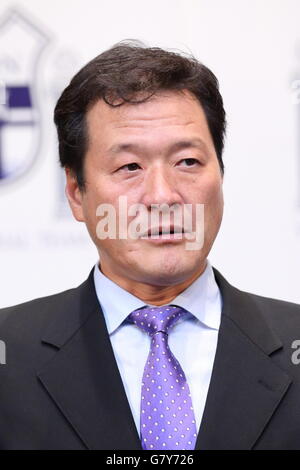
61	389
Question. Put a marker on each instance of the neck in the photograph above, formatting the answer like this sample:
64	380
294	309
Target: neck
151	294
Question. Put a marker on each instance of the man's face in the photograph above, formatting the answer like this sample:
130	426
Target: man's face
157	152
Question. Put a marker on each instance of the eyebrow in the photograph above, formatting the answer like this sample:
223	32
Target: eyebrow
175	147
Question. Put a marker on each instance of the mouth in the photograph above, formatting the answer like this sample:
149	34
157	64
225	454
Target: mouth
161	234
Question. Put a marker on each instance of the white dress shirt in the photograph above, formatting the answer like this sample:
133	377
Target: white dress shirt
192	340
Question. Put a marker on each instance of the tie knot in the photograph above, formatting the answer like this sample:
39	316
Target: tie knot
155	319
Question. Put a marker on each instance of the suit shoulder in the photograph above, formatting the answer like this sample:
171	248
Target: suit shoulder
275	305
283	316
268	306
33	311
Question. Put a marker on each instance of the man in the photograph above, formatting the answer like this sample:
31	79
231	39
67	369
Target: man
155	350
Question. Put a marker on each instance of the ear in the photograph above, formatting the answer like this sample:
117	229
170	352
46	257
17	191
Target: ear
74	195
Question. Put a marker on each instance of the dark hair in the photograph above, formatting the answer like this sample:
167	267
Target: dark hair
118	75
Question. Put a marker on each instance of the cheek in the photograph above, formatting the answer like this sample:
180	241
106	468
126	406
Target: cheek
213	201
89	208
207	191
96	194
216	194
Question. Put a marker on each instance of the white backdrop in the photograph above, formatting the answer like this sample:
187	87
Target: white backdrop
254	49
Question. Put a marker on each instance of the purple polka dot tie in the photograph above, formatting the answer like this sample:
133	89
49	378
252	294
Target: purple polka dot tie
167	416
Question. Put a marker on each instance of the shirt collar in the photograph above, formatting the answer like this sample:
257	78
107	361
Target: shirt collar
202	299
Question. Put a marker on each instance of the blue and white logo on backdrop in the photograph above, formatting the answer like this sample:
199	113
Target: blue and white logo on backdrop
21	47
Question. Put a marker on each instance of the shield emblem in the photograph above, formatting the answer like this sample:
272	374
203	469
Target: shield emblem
21	47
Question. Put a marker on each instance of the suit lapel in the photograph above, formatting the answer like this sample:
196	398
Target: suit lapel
246	386
83	377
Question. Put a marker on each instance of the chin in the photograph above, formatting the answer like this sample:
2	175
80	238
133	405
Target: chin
167	272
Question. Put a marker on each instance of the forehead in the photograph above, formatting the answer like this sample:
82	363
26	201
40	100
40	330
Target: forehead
165	112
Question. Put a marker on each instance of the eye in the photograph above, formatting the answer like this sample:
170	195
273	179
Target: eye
130	166
190	161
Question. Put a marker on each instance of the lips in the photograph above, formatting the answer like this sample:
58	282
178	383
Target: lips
157	231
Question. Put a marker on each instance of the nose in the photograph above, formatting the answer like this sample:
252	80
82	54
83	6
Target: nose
160	188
